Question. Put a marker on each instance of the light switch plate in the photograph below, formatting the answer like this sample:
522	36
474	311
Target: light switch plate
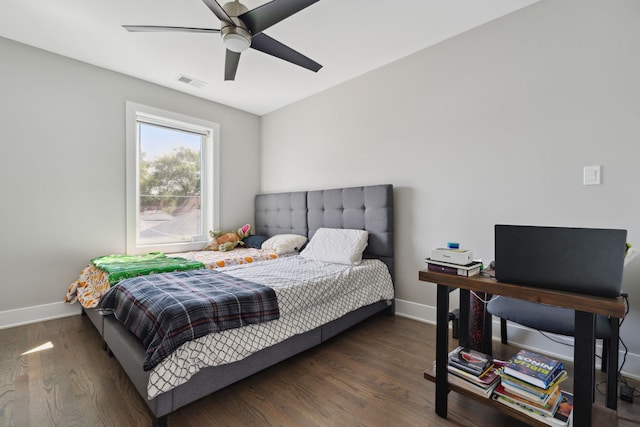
592	175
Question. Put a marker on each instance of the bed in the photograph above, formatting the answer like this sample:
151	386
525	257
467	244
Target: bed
367	208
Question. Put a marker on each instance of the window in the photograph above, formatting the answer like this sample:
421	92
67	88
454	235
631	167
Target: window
172	177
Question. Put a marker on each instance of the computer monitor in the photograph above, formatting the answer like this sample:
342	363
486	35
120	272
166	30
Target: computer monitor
583	260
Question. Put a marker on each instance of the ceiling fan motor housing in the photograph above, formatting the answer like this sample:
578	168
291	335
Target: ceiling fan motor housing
235	35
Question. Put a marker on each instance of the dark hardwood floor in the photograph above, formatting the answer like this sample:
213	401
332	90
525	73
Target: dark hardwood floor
371	375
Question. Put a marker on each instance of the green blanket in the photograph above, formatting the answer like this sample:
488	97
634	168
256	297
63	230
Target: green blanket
120	267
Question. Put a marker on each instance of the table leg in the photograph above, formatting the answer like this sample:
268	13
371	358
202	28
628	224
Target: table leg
442	350
612	365
583	363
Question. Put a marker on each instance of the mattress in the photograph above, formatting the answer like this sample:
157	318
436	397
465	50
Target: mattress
310	294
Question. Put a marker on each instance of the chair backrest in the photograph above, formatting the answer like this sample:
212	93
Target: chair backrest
583	260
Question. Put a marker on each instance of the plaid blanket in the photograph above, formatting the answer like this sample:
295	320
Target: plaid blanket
166	310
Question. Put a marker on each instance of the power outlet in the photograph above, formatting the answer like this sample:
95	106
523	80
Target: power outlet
592	175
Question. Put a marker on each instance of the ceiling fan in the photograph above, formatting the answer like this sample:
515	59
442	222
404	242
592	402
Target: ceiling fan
242	28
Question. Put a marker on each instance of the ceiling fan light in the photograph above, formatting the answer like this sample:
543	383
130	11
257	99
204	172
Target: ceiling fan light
236	42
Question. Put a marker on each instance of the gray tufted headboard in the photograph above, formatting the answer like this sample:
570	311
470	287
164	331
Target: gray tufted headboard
303	212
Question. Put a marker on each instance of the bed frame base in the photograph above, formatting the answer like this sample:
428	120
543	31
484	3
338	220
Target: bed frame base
130	354
98	322
160	422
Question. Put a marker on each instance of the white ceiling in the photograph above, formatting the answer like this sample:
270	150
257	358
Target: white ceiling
348	37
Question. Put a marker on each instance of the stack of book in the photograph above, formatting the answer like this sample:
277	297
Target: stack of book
473	371
530	383
468	270
453	260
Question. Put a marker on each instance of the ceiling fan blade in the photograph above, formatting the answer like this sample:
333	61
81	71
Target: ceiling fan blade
217	10
266	44
262	17
153	28
231	65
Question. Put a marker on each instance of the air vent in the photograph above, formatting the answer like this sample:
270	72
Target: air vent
190	81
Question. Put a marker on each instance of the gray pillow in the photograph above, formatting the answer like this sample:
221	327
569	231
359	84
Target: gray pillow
254	241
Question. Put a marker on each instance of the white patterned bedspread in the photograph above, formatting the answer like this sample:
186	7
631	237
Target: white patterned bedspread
310	294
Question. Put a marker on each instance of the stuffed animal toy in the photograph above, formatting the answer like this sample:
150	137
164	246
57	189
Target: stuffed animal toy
227	240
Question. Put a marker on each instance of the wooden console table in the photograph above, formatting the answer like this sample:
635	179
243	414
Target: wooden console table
585	306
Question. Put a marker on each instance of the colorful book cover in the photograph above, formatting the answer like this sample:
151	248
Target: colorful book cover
555	420
527	395
565	408
510	382
557	380
470	360
533	368
548	409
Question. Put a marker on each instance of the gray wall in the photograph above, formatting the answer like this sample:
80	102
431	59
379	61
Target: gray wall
62	169
492	126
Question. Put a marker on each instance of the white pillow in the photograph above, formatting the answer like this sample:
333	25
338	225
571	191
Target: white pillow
285	243
342	246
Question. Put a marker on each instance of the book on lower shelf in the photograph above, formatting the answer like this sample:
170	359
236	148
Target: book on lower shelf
470	386
471	370
484	390
487	379
467	270
529	391
534	368
469	360
548	408
562	417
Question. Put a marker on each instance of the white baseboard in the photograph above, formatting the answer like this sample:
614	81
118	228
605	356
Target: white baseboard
37	313
524	337
415	311
518	335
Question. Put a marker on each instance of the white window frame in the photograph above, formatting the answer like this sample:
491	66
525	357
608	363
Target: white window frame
210	175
